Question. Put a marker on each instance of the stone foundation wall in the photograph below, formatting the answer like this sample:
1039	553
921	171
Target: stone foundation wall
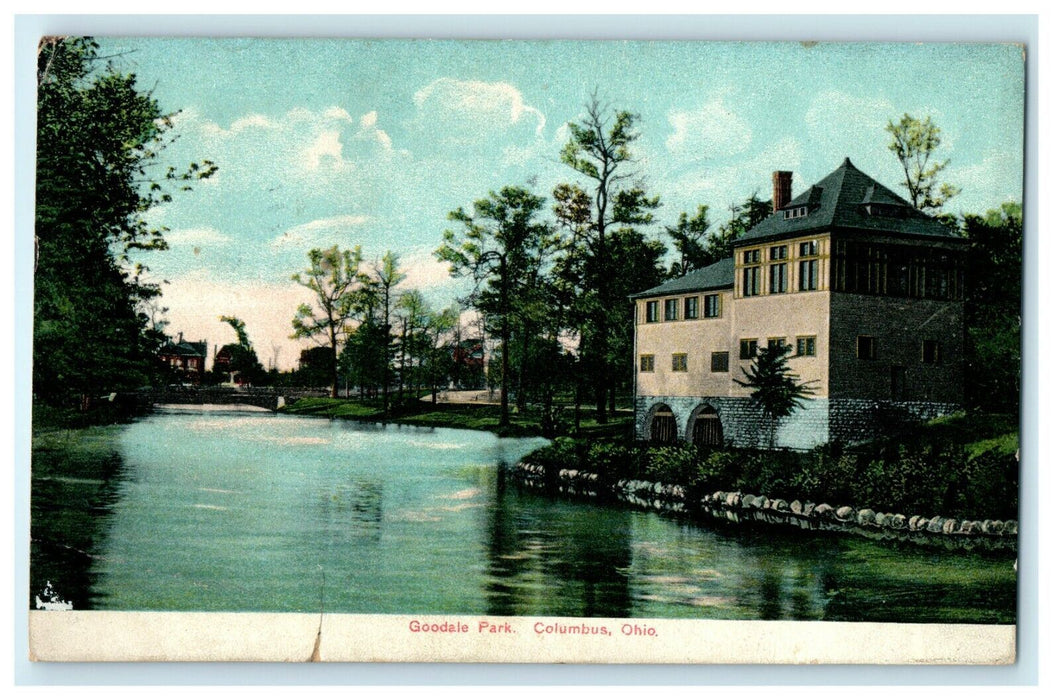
737	507
816	422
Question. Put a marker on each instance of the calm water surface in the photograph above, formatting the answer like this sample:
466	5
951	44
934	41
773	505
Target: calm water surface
258	512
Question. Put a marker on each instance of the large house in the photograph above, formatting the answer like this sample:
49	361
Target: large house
866	289
186	359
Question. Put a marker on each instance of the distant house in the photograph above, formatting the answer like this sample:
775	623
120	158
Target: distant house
469	363
867	290
185	358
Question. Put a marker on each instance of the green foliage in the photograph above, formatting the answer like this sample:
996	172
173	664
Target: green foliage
602	227
691	240
994	296
914	141
501	247
98	172
774	387
337	283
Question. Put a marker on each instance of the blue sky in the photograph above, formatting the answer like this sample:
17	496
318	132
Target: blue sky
372	143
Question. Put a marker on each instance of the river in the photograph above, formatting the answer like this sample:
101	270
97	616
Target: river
191	510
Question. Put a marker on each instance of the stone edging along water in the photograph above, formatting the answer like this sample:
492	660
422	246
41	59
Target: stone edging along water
736	507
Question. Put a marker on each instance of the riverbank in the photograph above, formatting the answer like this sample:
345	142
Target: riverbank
470	416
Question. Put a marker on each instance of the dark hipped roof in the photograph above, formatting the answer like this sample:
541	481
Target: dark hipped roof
839	202
184	349
716	276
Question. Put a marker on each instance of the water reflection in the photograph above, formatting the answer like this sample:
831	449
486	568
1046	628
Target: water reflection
545	559
255	513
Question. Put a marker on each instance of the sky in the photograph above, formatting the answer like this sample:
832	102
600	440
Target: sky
372	143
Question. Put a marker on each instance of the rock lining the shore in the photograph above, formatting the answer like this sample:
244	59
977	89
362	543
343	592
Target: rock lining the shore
738	507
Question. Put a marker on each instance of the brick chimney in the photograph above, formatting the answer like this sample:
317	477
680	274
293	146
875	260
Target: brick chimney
781	189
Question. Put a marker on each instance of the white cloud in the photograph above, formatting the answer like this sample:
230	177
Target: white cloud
370	132
324	153
721	186
320	232
710	131
997	178
477	104
196	236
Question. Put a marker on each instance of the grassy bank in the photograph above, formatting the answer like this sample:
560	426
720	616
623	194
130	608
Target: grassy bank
962	466
467	416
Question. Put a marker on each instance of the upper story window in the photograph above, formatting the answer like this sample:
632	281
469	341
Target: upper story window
719	362
671	310
778	252
651	312
752	281
866	347
795	212
691	308
752	257
775	343
711	306
748	348
647	363
809	269
679	362
778	278
807	249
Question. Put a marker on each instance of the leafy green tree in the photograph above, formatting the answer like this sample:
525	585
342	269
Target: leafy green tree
382	287
993	313
915	141
600	150
497	248
244	360
774	387
691	237
337	283
99	170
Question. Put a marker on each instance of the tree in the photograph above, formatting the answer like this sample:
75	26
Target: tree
599	149
993	313
387	277
337	284
914	142
496	249
774	387
691	237
99	170
244	360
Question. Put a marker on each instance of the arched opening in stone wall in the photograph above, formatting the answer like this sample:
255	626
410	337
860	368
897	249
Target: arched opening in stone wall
661	424
704	427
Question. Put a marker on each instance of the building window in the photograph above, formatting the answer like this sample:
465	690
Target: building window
748	348
647	363
807	275
711	306
651	312
775	343
719	362
752	257
778	278
795	213
671	309
866	347
930	352
691	308
752	281
807	249
679	362
806	346
778	252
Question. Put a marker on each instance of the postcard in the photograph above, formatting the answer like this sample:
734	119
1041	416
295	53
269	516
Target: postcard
526	351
